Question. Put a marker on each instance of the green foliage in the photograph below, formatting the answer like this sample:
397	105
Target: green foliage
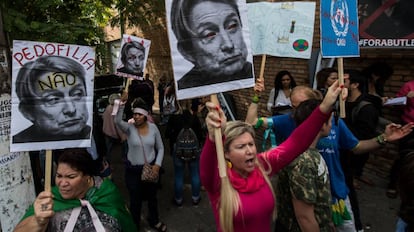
62	21
149	13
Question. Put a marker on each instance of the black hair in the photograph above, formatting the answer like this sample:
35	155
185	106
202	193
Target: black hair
355	76
79	159
278	82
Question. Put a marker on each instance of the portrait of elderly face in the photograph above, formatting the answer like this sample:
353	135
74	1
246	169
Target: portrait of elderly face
209	35
132	58
52	94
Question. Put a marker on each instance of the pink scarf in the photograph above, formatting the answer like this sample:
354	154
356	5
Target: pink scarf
251	184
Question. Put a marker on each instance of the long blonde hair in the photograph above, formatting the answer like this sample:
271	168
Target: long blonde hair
229	203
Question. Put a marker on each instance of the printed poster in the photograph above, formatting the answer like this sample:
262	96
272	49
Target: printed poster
210	47
339	28
283	29
133	56
386	23
52	96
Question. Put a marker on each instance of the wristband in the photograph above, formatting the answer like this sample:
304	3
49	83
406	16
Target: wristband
381	139
255	99
259	123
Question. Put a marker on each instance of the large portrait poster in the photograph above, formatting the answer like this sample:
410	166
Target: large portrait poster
283	29
52	95
339	28
132	57
210	46
386	23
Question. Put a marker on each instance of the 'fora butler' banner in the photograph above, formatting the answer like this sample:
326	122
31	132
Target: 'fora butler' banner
386	23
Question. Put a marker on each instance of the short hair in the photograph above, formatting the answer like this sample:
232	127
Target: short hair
304	110
233	130
180	10
323	75
78	159
30	72
356	76
129	45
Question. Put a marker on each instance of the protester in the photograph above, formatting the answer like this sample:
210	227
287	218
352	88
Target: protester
406	144
325	78
144	146
139	89
279	96
112	133
244	200
78	197
209	35
52	95
406	182
184	119
340	138
162	84
377	74
361	118
304	194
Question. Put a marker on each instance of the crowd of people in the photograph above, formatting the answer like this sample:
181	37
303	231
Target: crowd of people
319	160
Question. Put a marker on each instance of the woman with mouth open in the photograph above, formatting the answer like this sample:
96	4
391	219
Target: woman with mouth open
244	199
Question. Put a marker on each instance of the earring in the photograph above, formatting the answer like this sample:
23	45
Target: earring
229	164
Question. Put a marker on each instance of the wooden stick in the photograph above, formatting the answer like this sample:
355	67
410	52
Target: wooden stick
219	143
262	66
342	113
48	170
127	84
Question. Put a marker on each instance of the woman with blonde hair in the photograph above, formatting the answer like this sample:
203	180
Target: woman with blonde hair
243	199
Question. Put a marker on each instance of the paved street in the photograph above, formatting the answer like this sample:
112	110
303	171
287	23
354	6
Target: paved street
377	211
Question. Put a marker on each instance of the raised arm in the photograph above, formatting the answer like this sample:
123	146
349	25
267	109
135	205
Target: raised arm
305	133
251	116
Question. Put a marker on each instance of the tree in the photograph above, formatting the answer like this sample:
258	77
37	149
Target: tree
61	21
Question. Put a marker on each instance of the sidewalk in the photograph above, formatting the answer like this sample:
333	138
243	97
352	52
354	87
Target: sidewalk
378	213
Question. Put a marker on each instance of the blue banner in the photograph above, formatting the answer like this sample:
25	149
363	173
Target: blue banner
339	28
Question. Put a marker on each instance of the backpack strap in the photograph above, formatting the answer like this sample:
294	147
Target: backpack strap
269	133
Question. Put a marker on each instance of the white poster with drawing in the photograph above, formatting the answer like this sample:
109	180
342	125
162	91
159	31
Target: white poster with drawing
52	95
283	29
210	46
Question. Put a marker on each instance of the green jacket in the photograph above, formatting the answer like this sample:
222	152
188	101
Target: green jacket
106	198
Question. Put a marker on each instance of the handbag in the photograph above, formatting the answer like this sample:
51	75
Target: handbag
147	175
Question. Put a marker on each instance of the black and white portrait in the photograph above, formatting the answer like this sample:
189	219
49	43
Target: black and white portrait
210	46
53	94
132	57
